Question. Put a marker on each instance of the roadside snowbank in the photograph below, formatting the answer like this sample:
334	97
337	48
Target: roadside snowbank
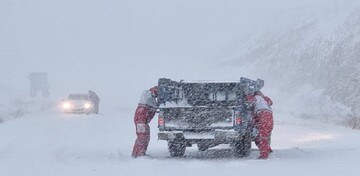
18	108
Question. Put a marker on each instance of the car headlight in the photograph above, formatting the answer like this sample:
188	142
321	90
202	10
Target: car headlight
87	105
66	105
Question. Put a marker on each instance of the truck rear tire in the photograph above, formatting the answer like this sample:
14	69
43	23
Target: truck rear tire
242	148
202	147
177	147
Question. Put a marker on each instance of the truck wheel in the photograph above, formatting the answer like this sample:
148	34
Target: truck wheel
202	147
242	148
247	145
176	147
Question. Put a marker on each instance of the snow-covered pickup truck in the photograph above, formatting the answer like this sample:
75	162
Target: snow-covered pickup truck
206	113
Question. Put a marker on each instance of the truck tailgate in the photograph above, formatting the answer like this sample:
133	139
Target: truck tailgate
198	118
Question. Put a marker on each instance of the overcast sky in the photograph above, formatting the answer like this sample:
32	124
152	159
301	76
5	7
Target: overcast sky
124	45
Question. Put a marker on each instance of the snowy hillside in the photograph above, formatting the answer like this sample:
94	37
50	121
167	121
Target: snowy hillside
310	52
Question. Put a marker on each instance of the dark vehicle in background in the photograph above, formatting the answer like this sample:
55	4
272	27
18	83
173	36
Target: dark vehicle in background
206	113
78	104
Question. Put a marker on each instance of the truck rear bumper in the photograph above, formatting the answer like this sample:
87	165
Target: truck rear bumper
217	136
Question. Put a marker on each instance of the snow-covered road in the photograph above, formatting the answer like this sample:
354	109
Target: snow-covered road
54	144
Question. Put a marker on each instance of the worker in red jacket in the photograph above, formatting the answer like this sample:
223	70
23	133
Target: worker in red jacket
263	121
144	113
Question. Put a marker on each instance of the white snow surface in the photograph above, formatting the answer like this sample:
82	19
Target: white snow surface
51	143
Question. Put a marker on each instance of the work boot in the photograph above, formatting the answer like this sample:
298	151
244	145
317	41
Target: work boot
263	157
141	156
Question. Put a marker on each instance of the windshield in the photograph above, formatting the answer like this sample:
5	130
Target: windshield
78	97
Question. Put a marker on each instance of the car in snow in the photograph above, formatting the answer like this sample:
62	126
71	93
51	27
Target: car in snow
206	113
78	104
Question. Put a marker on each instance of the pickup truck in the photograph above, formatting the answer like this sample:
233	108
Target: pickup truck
206	113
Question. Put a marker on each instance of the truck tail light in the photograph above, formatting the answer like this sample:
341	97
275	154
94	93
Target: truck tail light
161	121
238	120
